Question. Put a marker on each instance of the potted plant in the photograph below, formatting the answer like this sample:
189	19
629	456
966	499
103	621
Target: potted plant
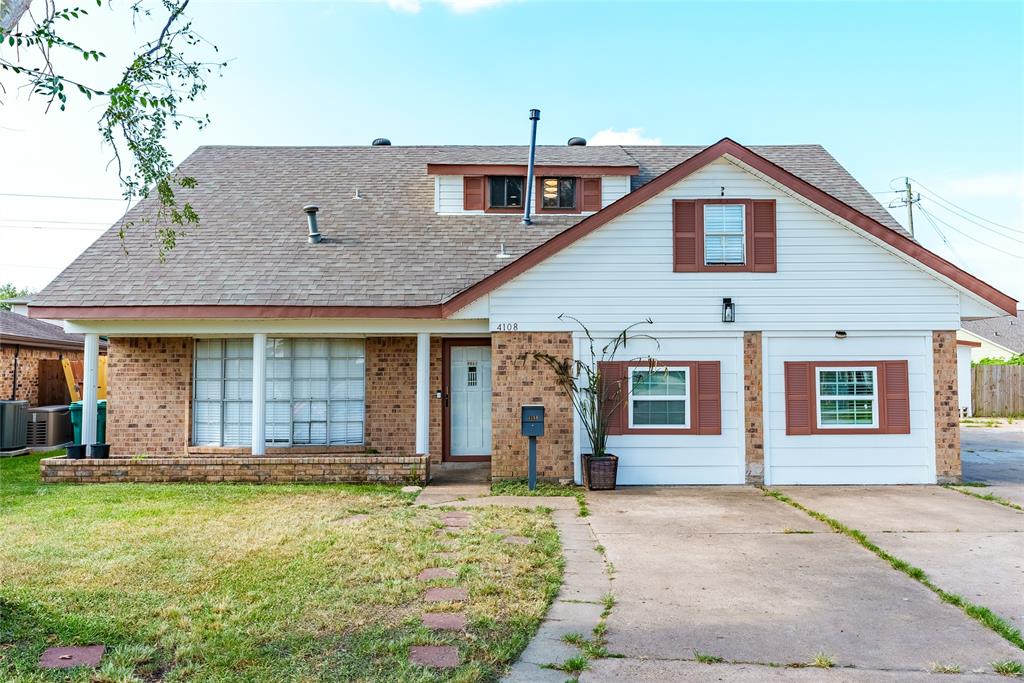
595	398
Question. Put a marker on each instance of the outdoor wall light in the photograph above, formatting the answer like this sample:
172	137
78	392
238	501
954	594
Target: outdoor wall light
728	311
840	334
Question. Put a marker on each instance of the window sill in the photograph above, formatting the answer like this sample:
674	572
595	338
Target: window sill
274	450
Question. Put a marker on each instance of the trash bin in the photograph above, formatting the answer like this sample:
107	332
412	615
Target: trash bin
101	420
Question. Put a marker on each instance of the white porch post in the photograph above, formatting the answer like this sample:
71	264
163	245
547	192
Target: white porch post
90	382
259	393
422	393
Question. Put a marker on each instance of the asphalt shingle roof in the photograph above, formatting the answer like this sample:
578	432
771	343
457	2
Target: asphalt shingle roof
386	248
1007	330
19	329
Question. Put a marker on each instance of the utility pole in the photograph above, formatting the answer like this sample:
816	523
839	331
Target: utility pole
910	206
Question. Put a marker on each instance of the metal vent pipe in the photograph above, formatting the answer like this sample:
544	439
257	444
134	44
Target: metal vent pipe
534	118
314	232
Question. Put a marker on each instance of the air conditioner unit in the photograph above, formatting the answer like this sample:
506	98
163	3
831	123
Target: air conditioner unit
13	424
49	427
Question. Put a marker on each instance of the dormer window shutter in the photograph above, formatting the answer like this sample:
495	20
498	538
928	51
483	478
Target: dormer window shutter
763	242
685	240
473	193
591	194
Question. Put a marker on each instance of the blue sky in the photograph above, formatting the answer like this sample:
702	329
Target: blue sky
930	90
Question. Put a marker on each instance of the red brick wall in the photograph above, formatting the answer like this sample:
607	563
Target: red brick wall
515	382
391	394
149	389
27	387
753	407
947	407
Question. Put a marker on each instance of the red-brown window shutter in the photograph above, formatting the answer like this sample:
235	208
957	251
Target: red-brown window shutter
762	248
615	390
591	194
686	246
708	383
473	193
799	395
895	392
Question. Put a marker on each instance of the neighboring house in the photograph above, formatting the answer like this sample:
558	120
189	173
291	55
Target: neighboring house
24	343
402	334
1001	337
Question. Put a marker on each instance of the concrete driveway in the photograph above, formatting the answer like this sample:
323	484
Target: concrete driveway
729	572
995	456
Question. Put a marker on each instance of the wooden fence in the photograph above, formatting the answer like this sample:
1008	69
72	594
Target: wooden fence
997	390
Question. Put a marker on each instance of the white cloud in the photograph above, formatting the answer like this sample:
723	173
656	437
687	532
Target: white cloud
456	6
998	185
630	136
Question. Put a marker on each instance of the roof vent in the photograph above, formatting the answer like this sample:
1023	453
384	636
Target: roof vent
577	142
314	232
381	142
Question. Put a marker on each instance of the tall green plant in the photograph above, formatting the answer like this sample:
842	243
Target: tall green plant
594	397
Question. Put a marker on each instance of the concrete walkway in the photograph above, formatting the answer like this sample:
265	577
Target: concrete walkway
731	573
995	456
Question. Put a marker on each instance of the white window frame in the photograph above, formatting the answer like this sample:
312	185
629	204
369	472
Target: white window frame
722	235
686	397
223	402
818	397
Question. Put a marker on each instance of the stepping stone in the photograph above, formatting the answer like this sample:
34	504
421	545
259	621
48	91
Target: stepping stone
411	489
436	573
456	515
437	656
445	621
451	594
456	521
518	540
446	556
355	518
67	657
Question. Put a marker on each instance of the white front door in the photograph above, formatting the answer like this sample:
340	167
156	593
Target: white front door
470	394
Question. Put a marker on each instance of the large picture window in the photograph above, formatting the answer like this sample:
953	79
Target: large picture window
847	397
314	392
659	398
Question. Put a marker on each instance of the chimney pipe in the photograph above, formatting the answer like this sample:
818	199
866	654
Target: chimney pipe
314	232
534	118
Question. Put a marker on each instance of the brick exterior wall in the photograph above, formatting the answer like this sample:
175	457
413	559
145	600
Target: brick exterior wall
947	412
149	389
515	382
391	394
27	387
436	404
753	407
263	470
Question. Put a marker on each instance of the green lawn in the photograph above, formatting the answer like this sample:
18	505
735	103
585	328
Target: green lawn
223	582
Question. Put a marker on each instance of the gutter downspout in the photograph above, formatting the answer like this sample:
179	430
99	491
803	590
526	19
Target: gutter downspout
534	117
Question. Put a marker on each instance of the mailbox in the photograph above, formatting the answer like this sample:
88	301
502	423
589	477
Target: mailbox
533	420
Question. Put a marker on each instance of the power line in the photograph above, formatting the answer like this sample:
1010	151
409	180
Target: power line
941	234
938	197
980	225
973	238
62	196
70	228
47	220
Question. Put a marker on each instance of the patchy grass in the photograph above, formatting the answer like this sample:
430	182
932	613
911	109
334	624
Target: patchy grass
1008	668
978	612
940	668
971	484
787	530
573	665
705	658
519	487
991	497
822	661
237	582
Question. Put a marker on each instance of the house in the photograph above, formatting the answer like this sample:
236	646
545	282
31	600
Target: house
805	337
30	355
1001	337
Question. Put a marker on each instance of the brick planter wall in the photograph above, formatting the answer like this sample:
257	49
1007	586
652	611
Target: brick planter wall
947	407
263	470
27	387
753	407
515	382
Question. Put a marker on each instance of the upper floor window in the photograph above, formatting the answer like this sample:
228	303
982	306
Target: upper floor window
505	191
725	234
558	193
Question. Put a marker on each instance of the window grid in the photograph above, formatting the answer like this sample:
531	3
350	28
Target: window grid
847	398
725	234
659	403
558	193
222	392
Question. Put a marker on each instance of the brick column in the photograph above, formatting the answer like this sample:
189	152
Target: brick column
947	407
753	407
515	381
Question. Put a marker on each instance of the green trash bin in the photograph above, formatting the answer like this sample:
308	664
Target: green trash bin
101	420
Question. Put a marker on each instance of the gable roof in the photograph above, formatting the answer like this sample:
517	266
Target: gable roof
23	331
386	252
1006	331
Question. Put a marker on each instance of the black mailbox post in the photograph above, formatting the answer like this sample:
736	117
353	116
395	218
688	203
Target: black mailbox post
533	426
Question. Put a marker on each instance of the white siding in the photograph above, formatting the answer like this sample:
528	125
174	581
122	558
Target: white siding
448	193
829	276
682	459
850	459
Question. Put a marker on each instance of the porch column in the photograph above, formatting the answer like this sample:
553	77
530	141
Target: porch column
90	382
422	393
259	393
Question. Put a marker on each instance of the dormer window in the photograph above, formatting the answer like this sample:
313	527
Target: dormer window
558	194
725	231
505	191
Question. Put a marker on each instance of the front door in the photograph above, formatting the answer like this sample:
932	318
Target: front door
469	400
